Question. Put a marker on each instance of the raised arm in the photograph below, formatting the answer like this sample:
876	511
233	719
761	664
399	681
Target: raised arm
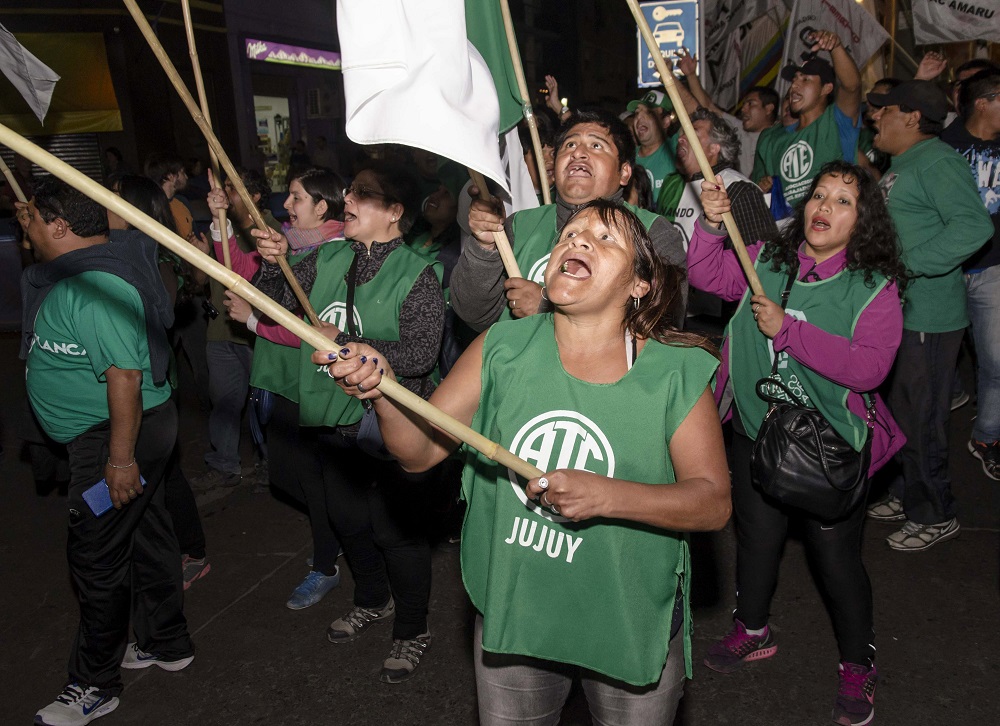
848	92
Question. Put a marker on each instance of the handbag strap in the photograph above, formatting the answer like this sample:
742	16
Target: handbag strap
793	272
352	278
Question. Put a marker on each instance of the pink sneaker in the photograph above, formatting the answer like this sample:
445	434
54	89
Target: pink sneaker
739	647
855	704
193	569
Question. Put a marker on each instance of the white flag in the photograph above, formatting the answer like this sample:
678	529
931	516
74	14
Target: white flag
948	21
860	33
33	79
412	77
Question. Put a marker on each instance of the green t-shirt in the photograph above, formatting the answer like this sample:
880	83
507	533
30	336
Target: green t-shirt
941	221
600	593
660	164
87	324
797	157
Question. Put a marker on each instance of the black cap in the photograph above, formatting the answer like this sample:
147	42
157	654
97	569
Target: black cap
812	67
921	96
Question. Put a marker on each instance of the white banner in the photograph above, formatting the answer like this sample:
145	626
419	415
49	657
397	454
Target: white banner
724	45
860	33
948	21
33	79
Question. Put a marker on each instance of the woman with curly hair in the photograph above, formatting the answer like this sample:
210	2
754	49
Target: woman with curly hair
583	572
835	340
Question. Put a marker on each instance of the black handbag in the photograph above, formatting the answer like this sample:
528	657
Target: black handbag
799	459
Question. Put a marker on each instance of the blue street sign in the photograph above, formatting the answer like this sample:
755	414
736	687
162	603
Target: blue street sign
675	24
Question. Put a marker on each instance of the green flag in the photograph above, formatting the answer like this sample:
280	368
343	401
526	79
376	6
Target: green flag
484	26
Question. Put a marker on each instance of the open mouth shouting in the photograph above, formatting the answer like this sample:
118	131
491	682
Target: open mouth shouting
819	224
579	169
575	267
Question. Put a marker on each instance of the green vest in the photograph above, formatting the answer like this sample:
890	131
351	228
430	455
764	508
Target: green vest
833	305
275	367
377	305
534	235
599	594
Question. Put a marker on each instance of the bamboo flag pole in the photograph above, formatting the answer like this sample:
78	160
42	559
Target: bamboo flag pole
199	83
18	192
682	115
892	35
244	289
214	144
529	114
500	238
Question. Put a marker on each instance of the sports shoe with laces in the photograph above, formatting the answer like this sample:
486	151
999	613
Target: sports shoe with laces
357	621
915	537
193	569
312	589
136	658
75	706
889	509
855	695
404	658
738	648
988	455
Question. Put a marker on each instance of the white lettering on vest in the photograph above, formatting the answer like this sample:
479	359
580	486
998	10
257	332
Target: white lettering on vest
523	533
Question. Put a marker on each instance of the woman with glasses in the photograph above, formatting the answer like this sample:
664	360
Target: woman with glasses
374	290
315	205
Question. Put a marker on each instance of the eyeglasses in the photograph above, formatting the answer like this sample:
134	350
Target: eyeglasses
363	192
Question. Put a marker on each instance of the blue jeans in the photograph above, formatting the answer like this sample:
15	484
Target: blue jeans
522	691
984	312
228	386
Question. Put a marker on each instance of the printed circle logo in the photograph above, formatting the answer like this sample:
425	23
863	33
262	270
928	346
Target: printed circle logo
336	314
797	161
561	440
537	271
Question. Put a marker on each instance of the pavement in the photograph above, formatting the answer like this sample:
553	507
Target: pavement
257	662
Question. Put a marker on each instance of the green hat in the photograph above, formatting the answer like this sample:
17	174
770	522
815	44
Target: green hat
652	99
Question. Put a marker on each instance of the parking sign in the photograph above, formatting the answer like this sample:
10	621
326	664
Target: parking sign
675	24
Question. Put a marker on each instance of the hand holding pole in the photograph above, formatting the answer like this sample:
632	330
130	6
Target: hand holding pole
500	238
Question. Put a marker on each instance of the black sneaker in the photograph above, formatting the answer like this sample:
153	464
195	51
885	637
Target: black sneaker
357	621
989	455
404	658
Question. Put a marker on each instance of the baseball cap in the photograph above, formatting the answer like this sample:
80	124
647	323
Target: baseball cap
653	99
812	67
921	96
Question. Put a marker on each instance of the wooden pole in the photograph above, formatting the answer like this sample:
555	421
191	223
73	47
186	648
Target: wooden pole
262	302
213	142
706	169
503	244
892	34
199	83
18	192
529	114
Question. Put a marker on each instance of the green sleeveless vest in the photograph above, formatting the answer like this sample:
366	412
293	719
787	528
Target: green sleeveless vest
535	234
833	305
600	593
377	305
276	367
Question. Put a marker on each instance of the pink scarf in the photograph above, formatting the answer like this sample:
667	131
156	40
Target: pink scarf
306	240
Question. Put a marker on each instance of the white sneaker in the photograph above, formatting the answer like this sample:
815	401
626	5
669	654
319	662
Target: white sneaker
915	537
889	509
136	658
76	706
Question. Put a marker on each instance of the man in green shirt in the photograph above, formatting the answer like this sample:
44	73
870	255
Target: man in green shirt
826	99
655	152
95	322
940	220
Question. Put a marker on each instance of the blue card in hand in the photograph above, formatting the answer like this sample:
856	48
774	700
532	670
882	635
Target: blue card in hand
98	497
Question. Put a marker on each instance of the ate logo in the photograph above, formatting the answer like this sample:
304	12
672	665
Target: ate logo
561	440
797	161
336	314
537	272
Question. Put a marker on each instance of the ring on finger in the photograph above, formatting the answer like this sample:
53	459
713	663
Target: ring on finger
361	387
554	509
544	500
513	304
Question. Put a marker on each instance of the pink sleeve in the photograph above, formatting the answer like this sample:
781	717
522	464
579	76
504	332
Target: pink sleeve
270	330
713	268
860	362
245	264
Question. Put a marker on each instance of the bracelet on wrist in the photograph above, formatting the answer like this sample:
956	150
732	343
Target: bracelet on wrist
127	466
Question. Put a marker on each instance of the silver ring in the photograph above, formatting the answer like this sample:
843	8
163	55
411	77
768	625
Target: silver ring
544	500
555	509
543	483
361	388
513	304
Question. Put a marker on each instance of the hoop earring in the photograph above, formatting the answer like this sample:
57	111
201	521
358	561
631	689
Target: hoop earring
636	300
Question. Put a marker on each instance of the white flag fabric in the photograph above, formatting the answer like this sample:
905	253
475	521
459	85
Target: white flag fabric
724	45
860	33
412	77
948	21
33	79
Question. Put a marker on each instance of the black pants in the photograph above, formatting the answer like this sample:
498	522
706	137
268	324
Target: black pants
920	399
381	514
183	509
124	563
295	467
834	551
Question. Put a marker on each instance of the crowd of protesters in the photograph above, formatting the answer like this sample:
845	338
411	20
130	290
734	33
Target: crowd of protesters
876	248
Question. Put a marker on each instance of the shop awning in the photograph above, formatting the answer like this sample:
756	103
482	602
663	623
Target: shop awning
84	99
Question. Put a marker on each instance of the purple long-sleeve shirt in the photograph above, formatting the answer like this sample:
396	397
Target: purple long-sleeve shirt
859	363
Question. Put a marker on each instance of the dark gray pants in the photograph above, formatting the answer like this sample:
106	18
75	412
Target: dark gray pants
920	399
